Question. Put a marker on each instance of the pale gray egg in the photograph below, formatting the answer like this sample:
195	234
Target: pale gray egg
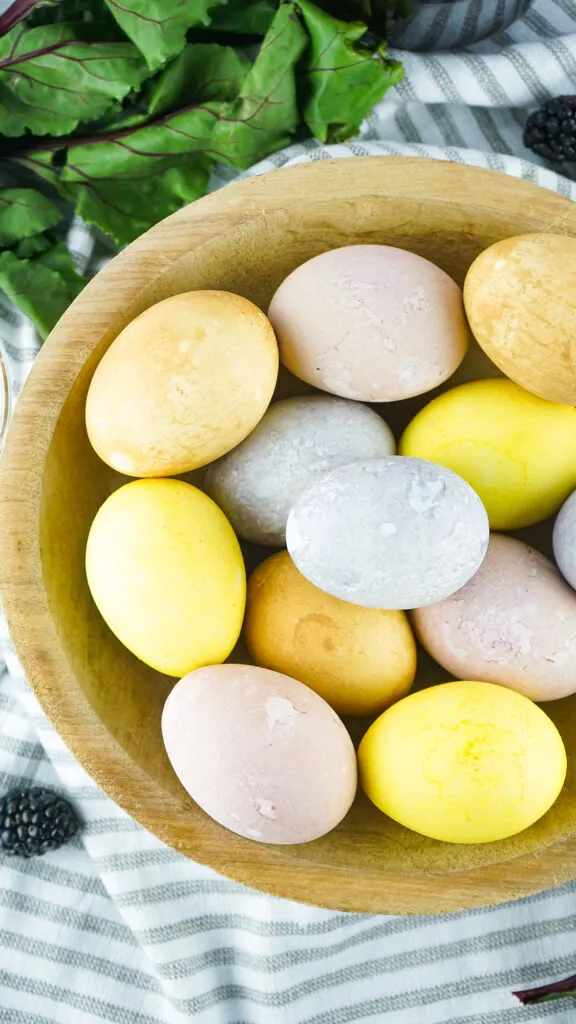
298	440
388	533
261	753
564	540
514	623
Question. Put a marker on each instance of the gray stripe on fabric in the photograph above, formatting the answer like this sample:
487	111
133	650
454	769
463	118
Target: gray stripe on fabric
540	25
446	126
486	124
38	908
48	872
20	1017
406	125
137	859
526	72
273	963
459	987
67	957
89	1004
180	890
564	57
268	929
487	79
105	825
9	703
273	929
23	748
442	79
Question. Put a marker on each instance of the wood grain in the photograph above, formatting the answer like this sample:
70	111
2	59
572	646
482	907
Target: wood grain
105	704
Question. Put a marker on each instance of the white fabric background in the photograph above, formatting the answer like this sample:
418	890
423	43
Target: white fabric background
119	928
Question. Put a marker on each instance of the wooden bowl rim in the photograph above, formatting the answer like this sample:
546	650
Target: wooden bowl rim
21	578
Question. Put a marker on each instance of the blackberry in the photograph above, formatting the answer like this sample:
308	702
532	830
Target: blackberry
34	821
551	131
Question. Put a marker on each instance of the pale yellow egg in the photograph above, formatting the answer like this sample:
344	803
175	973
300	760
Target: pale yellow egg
514	449
167	575
182	384
360	660
520	297
463	762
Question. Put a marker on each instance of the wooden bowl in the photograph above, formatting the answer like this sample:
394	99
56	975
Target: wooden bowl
105	703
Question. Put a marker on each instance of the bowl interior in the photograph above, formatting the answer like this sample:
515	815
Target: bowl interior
251	254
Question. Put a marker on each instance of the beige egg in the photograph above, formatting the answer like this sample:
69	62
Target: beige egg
370	322
520	297
182	384
360	660
513	623
260	752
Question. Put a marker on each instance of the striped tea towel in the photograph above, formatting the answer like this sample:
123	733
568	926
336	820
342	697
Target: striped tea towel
119	928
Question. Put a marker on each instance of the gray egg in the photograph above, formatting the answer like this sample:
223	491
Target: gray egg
564	540
389	533
298	440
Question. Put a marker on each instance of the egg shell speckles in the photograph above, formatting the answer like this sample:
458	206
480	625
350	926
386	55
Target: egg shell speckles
260	752
514	624
298	440
463	762
564	540
520	297
182	384
388	533
358	659
370	322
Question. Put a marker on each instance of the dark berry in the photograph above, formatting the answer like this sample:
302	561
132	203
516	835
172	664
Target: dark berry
551	131
34	821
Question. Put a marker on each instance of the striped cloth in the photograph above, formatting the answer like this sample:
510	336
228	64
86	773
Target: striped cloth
119	928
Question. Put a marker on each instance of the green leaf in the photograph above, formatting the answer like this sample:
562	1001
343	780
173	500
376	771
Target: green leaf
158	27
245	17
41	288
33	246
25	212
341	80
125	185
265	115
50	82
202	72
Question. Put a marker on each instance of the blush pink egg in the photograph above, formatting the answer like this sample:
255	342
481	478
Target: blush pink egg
513	623
370	322
260	752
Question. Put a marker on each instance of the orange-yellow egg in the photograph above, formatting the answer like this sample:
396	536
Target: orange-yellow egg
360	660
182	384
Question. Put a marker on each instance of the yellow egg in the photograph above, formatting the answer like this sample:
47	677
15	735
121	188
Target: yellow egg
514	449
182	384
520	297
358	659
464	762
167	575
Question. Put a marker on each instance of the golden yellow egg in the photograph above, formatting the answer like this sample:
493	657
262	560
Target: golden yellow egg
464	762
358	659
167	575
516	450
182	384
520	298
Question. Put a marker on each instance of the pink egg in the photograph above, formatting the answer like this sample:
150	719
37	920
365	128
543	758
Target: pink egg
370	322
260	752
513	623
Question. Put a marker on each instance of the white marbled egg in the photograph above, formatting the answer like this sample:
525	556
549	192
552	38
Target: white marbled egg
388	533
564	540
261	753
298	440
